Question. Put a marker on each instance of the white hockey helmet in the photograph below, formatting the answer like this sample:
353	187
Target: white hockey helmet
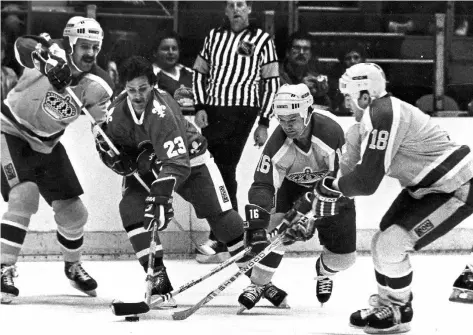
363	77
82	27
293	99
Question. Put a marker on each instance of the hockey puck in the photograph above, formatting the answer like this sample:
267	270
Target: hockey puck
132	318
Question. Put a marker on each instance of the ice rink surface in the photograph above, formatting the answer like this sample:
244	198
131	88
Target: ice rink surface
49	305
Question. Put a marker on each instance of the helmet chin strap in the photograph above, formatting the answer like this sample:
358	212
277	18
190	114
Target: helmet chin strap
71	59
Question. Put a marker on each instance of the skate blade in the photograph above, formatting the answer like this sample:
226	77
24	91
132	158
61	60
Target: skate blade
241	310
284	304
168	304
91	293
462	296
397	329
7	298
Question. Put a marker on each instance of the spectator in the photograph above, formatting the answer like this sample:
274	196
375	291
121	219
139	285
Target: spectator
9	77
349	54
170	73
300	67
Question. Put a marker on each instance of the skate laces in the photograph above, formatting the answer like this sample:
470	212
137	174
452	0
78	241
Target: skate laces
270	290
210	243
77	270
325	284
254	290
8	273
386	312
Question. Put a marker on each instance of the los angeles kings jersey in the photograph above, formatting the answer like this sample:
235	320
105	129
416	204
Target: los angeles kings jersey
175	141
39	114
283	159
399	140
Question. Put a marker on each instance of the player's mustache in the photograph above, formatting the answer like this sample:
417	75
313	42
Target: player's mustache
88	59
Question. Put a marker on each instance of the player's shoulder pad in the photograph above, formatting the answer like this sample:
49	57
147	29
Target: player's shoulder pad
327	129
275	141
101	73
381	113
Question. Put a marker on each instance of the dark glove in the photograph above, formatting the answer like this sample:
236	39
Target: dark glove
159	203
257	220
55	68
147	162
327	199
300	227
122	164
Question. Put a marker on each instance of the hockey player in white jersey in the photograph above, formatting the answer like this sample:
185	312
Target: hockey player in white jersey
304	148
34	162
400	141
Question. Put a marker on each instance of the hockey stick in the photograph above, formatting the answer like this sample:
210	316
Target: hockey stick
130	308
184	314
151	256
117	152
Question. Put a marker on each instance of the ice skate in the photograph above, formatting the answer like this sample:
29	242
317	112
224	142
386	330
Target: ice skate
359	319
324	285
275	295
390	319
80	279
462	287
250	296
212	252
161	286
9	291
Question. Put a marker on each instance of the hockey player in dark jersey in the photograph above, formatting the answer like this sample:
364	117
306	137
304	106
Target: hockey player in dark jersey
400	141
34	162
168	152
304	148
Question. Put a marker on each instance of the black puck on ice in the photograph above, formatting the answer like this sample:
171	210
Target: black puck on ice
133	318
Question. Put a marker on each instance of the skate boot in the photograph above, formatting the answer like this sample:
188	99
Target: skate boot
9	291
275	295
462	287
212	252
250	296
324	285
80	279
359	319
162	286
394	318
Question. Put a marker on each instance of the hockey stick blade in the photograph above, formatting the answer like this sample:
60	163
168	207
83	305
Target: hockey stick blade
130	308
184	314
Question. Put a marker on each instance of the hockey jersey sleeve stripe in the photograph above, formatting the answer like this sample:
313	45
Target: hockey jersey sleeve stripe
442	168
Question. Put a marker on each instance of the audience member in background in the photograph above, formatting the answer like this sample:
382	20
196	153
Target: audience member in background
349	54
9	77
170	73
299	66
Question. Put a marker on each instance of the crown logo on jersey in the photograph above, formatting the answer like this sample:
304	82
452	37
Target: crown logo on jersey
308	177
59	107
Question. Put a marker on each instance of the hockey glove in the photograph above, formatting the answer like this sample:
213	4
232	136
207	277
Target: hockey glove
147	162
52	66
257	220
300	228
327	199
159	203
122	164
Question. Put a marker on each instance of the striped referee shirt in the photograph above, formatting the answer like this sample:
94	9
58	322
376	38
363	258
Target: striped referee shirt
237	69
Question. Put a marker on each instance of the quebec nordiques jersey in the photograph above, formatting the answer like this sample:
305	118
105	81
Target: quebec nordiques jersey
162	124
399	140
282	158
38	113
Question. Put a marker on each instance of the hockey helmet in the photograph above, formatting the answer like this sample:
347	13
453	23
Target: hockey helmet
363	77
293	99
82	27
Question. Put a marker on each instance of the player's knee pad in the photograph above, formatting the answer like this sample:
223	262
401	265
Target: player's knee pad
227	226
338	262
70	215
24	199
390	251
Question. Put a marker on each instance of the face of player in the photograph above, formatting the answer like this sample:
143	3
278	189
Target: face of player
139	92
357	106
292	125
167	54
300	52
352	58
238	13
85	54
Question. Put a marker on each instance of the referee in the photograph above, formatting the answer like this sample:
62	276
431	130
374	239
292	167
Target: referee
235	79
